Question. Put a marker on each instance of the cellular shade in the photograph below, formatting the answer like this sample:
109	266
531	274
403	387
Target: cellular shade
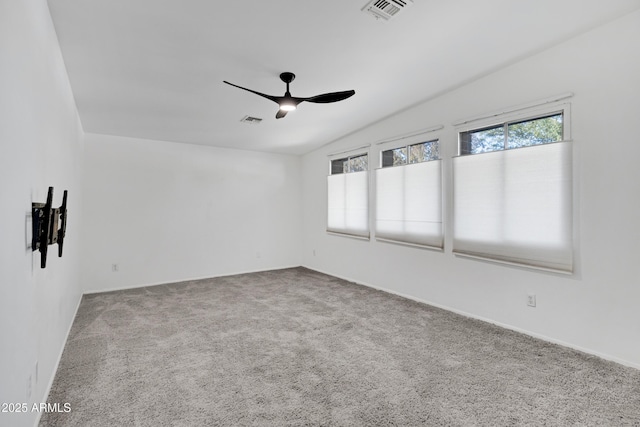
348	203
516	206
409	203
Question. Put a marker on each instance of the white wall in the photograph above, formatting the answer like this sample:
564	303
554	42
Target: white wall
166	212
40	146
596	309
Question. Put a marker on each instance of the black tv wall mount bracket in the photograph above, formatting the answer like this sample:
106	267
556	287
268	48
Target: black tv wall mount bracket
45	220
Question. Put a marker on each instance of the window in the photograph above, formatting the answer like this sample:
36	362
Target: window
357	163
409	195
348	196
415	153
517	134
512	197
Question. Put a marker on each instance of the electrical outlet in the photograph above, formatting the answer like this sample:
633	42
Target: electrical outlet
114	268
531	300
314	252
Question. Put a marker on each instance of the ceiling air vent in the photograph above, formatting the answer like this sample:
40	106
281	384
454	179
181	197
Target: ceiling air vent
251	120
386	9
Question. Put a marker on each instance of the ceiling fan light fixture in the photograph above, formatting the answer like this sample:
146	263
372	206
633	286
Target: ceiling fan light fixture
287	106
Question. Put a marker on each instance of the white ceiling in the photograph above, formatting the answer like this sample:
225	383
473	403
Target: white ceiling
154	68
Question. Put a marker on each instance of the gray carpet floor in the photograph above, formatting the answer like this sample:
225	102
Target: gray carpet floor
295	347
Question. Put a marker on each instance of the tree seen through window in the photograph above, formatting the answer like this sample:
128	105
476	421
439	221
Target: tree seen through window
541	130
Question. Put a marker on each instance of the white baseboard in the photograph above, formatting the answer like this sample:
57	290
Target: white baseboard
124	288
420	300
57	364
493	322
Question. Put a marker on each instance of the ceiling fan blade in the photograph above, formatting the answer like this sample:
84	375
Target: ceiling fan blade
289	103
331	97
275	99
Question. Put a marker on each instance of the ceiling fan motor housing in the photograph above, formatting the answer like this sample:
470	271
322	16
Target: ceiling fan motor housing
287	77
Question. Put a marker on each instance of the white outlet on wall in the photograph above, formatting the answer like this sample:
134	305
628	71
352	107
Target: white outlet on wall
531	300
314	252
114	268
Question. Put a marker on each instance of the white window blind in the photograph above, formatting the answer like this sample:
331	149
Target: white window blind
515	206
409	204
348	203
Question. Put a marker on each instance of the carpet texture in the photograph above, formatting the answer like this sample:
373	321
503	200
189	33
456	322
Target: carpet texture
295	347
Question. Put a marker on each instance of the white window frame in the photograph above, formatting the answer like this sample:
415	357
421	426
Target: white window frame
529	112
358	180
424	136
407	146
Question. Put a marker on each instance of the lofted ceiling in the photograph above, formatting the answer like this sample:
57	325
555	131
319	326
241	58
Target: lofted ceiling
154	68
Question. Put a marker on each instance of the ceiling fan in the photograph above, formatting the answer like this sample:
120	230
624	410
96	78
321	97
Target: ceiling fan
289	103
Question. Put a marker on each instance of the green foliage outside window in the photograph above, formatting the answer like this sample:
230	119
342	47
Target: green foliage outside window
350	164
416	153
525	133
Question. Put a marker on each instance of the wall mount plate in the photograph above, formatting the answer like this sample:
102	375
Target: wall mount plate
45	226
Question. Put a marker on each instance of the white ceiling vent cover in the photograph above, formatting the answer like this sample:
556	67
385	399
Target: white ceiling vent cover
386	9
251	120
